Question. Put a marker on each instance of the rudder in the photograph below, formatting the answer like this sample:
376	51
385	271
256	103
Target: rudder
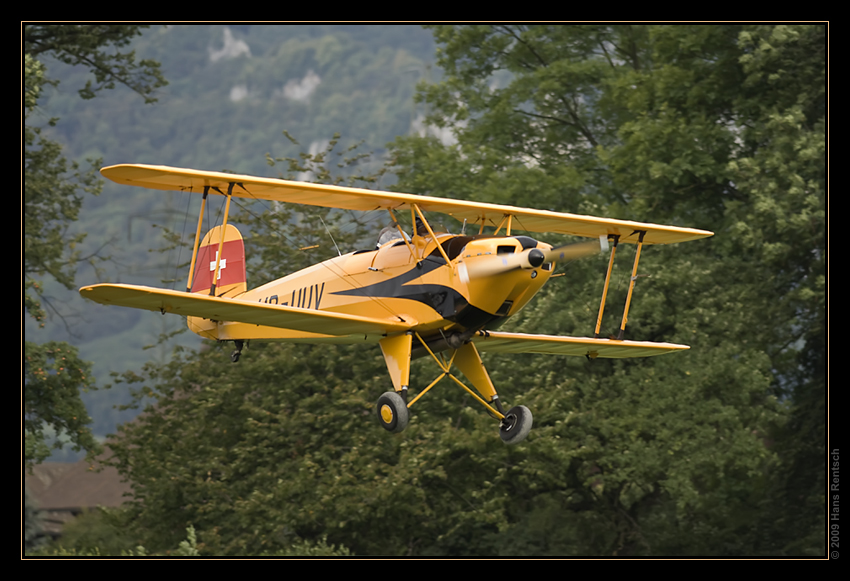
232	277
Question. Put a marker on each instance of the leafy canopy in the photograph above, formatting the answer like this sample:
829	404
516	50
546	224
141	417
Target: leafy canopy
53	194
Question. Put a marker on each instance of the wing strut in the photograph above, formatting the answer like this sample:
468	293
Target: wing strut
431	232
631	286
506	218
221	239
197	240
403	235
622	332
605	288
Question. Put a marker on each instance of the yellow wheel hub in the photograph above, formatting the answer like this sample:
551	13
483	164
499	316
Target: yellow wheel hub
386	413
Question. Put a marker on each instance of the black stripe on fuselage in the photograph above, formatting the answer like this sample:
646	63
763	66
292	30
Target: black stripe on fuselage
443	299
450	304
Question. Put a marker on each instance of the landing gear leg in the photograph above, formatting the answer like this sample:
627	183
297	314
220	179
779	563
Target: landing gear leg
392	406
515	425
234	357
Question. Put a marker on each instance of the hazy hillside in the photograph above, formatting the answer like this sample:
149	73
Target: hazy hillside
232	92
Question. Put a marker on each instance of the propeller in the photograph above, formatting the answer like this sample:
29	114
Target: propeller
534	257
573	251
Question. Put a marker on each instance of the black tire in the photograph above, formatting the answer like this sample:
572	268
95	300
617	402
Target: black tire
392	412
516	425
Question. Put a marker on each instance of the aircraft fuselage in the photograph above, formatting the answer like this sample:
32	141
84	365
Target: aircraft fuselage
412	283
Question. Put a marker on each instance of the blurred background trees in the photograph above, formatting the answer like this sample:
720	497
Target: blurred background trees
54	188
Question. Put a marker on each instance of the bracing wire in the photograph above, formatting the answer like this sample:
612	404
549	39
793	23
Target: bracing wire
331	235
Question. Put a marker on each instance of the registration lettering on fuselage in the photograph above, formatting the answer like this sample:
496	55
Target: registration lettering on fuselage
308	297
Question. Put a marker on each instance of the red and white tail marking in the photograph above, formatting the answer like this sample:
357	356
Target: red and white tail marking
231	263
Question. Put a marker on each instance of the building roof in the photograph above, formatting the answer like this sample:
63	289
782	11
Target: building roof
74	486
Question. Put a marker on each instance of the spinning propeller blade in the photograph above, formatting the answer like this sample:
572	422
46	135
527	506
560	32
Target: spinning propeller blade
577	250
534	257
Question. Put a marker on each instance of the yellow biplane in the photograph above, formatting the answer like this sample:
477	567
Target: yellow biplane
425	294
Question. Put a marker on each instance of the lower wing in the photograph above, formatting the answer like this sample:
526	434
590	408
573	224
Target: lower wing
522	343
227	309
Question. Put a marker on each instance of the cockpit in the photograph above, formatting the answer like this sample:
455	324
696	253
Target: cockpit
390	234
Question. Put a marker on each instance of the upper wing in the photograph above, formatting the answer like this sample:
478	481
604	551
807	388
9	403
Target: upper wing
523	343
168	178
223	309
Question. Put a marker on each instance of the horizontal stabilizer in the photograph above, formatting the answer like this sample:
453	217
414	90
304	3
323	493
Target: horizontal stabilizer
225	309
499	342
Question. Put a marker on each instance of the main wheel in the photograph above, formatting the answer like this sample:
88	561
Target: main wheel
516	425
392	412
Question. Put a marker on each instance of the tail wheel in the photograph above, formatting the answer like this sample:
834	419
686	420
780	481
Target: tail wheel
516	425
392	412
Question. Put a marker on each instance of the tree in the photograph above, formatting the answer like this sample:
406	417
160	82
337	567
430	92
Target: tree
33	524
53	194
93	46
712	126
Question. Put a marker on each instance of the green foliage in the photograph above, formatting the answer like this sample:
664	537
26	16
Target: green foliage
96	541
320	167
719	127
97	531
99	534
33	523
303	548
244	428
92	46
188	548
51	201
53	193
53	378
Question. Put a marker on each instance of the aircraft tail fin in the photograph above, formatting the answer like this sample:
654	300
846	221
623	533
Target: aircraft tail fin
232	278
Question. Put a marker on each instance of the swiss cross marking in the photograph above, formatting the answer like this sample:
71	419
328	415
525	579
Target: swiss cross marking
222	267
